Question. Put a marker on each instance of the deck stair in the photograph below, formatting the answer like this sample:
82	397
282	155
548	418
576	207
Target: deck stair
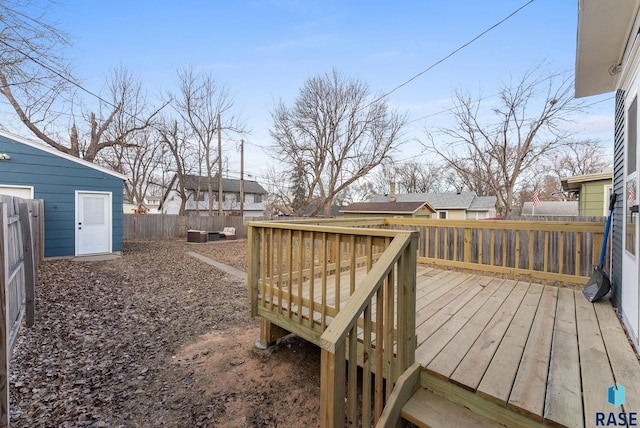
426	409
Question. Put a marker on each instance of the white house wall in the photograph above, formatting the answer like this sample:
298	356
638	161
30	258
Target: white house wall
630	302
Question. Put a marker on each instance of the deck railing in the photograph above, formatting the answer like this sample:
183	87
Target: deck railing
349	290
559	252
349	287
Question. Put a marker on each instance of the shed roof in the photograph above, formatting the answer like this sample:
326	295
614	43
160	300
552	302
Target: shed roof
386	207
52	151
574	183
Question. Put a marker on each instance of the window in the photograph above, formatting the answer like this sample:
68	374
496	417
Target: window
200	196
442	215
257	198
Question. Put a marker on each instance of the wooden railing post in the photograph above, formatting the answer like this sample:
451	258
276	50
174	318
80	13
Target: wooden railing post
253	269
332	387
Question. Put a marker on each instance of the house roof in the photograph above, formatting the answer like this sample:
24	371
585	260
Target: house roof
603	31
52	151
444	201
483	203
574	183
230	185
386	207
552	208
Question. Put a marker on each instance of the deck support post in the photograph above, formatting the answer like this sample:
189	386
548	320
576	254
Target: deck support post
269	334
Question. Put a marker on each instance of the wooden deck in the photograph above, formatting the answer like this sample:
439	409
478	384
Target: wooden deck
541	351
515	351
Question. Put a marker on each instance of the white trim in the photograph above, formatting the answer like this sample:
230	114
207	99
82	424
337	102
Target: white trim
109	218
60	154
12	186
446	214
608	190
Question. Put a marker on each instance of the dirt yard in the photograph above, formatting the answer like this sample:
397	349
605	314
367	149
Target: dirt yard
156	338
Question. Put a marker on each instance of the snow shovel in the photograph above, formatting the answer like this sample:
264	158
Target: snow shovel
599	285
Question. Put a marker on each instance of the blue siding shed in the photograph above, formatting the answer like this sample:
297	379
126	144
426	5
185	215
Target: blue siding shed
58	178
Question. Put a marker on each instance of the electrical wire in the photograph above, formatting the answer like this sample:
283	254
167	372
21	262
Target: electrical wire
452	53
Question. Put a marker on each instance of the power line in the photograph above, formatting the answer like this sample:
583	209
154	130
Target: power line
65	78
455	51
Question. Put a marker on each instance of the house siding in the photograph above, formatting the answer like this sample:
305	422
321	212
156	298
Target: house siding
55	180
592	195
617	244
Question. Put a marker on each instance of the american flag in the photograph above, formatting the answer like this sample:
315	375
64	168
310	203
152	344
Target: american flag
631	194
536	197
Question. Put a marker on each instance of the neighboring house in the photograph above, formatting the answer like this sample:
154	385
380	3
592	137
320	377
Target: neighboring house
82	200
453	206
254	197
389	209
151	204
607	60
552	209
592	191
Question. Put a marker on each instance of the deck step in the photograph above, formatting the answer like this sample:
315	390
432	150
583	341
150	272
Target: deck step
426	409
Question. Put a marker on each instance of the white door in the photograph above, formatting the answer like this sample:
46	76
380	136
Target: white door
631	227
93	223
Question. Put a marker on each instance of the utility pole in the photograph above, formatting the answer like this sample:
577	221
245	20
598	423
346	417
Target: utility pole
242	179
220	196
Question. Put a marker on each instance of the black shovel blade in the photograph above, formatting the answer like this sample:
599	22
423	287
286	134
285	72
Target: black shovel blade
598	285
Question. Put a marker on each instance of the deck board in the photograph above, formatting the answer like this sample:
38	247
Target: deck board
564	395
498	379
624	362
454	318
469	372
450	356
530	385
594	363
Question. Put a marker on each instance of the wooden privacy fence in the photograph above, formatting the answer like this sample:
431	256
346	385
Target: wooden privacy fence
146	226
21	251
562	252
349	290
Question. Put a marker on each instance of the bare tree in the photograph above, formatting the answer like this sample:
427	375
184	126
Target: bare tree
33	71
336	132
138	161
575	157
201	102
38	84
175	138
524	128
579	158
421	177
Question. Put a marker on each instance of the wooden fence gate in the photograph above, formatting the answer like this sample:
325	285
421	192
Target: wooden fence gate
21	250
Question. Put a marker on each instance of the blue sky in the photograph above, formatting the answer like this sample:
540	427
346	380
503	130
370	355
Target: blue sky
265	50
